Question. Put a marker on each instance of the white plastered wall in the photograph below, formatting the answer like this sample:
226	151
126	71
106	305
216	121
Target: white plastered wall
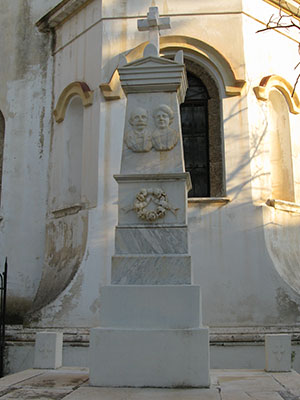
239	283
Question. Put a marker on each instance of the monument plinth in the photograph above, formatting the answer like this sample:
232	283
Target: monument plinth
151	331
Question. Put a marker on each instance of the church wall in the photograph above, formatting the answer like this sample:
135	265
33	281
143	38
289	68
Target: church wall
25	101
238	260
245	254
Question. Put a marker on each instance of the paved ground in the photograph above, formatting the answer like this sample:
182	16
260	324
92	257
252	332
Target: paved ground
72	384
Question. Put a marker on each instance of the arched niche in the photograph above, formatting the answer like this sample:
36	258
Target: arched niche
72	142
80	89
2	135
282	180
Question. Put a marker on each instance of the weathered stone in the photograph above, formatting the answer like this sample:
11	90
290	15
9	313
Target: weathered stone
48	350
278	353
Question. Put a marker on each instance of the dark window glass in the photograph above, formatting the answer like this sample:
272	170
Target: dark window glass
194	122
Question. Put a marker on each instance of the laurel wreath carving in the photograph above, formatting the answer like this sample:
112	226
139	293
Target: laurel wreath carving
158	197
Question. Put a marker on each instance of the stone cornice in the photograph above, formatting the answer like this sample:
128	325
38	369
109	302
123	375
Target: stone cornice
60	13
291	7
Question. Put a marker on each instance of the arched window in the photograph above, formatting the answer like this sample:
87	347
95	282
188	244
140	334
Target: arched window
2	129
282	181
72	165
202	133
194	122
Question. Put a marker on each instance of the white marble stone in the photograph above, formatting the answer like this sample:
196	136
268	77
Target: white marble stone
155	358
152	160
48	350
148	240
278	353
142	307
174	186
151	269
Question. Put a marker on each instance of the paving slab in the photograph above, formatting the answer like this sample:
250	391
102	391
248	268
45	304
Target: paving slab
93	393
249	384
236	396
290	380
72	384
20	377
265	396
57	379
38	394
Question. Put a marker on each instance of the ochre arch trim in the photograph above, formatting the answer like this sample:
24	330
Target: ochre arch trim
193	49
80	89
275	81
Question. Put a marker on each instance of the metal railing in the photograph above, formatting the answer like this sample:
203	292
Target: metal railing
3	287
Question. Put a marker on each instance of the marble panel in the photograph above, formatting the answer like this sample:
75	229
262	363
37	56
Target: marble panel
149	357
151	270
148	240
174	189
150	160
155	306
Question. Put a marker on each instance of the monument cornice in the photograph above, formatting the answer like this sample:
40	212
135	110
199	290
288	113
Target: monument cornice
153	74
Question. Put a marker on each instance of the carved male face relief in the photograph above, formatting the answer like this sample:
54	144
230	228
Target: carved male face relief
138	119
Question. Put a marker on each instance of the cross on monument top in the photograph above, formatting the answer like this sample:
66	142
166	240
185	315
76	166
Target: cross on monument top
154	24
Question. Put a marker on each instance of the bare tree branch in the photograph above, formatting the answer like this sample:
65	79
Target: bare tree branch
283	21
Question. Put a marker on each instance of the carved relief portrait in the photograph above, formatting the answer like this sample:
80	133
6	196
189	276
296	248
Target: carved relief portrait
164	137
138	138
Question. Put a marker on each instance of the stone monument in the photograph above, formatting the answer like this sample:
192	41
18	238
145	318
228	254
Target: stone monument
151	332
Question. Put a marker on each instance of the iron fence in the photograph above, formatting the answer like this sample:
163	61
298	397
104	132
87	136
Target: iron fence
3	287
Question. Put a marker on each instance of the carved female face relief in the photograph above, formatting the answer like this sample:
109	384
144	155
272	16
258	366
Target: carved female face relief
162	119
164	138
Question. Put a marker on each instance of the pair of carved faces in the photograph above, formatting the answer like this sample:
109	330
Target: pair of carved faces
162	138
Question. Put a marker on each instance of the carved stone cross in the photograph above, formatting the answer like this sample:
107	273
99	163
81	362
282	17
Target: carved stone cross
278	351
154	24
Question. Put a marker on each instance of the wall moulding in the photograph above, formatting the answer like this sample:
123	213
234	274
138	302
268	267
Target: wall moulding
275	81
60	13
193	49
80	89
284	205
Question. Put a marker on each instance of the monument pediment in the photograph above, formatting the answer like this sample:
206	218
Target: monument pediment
151	61
153	74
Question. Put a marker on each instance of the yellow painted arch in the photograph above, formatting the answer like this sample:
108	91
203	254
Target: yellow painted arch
193	49
80	89
275	81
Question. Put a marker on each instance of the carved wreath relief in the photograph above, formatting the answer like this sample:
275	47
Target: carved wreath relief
145	197
163	138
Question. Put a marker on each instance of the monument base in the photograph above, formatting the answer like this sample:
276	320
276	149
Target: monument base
150	335
149	357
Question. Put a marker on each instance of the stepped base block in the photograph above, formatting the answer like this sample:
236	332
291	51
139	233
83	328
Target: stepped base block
156	306
153	358
151	240
151	270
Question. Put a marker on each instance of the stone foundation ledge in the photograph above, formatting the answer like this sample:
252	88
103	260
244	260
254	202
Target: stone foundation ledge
218	335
